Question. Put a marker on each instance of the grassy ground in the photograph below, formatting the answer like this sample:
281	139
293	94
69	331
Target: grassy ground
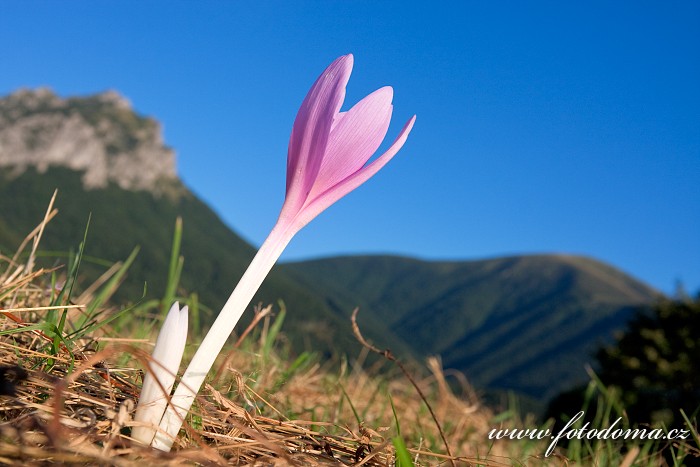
71	368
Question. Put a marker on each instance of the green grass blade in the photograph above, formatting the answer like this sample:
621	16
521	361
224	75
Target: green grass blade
300	362
396	416
403	457
195	319
72	277
691	427
174	268
352	406
97	325
274	331
31	327
108	289
104	294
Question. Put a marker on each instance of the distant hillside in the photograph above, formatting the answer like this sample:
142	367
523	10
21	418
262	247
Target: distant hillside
526	322
215	257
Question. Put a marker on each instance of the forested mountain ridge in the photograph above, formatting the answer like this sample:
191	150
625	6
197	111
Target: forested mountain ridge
523	323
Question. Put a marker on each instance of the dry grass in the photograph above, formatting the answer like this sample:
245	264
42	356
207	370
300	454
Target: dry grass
82	416
67	396
72	402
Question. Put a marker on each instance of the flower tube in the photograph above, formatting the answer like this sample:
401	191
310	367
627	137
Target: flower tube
326	159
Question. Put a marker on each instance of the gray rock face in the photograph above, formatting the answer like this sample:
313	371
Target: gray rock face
99	135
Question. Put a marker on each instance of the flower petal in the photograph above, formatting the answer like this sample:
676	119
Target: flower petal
324	200
354	139
338	117
171	338
160	376
312	127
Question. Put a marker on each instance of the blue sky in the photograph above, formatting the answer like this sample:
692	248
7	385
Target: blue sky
542	126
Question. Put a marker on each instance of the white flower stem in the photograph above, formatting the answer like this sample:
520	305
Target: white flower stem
220	331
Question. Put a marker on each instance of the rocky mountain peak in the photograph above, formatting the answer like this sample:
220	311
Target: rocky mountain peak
99	135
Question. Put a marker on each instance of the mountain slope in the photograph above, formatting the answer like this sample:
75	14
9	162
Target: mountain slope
527	322
523	323
215	257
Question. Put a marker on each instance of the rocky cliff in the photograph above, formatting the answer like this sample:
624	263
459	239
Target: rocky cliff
98	135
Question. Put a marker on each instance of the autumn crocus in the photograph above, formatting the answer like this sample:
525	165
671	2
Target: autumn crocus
160	375
327	158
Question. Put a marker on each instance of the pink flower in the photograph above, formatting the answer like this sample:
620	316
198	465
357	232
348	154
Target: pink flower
327	159
328	150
